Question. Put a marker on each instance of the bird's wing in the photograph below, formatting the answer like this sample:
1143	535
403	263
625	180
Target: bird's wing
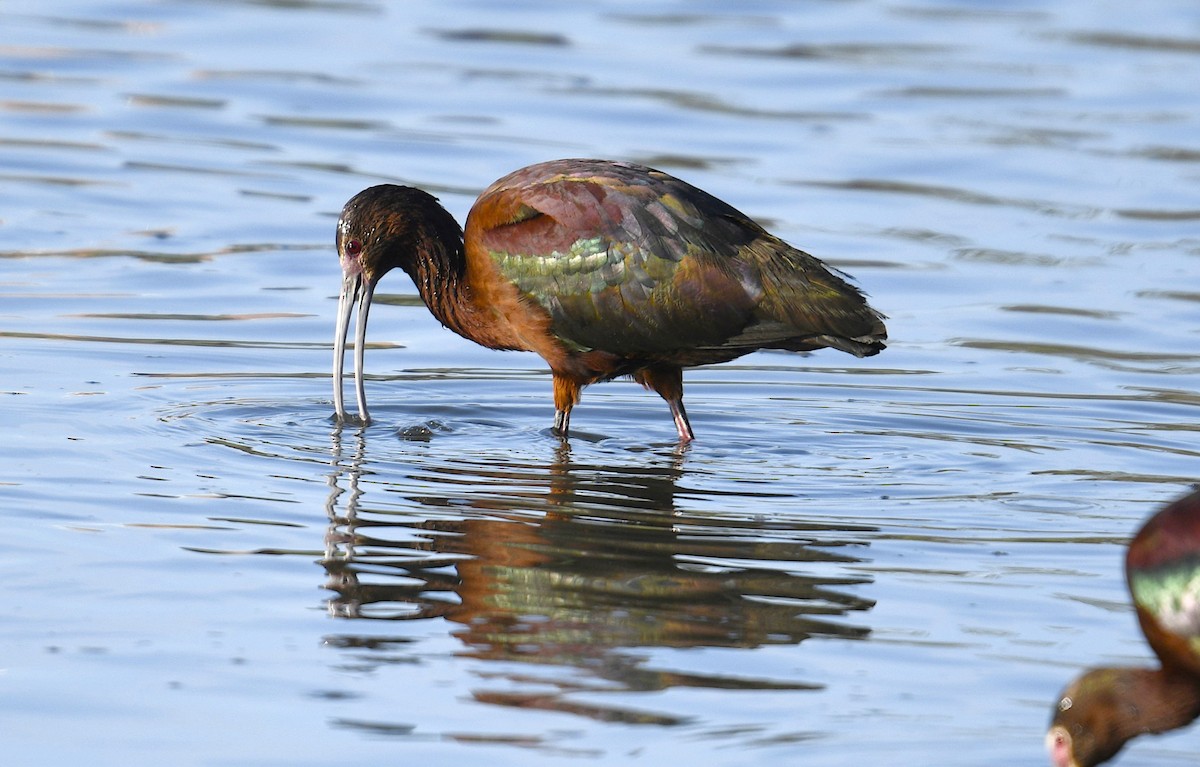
634	261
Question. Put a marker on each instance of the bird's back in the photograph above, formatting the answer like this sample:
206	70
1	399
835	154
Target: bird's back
633	262
1163	568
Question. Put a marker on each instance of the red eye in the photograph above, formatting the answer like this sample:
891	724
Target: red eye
353	247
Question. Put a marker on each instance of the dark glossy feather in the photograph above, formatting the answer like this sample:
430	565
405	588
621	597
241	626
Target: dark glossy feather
635	262
1163	570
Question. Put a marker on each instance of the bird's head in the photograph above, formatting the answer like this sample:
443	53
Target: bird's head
381	228
1088	724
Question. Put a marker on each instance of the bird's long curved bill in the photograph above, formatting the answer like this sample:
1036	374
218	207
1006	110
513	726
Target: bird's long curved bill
355	289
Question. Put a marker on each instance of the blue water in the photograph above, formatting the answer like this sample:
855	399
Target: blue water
897	560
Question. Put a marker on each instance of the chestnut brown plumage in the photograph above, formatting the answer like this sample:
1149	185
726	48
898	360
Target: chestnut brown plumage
605	269
1106	707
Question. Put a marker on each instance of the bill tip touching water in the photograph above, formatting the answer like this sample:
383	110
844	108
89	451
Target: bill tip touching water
1106	707
604	269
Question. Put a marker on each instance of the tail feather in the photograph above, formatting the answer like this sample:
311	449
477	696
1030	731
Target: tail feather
864	346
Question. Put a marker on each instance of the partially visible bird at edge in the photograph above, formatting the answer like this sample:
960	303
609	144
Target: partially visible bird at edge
605	269
1103	709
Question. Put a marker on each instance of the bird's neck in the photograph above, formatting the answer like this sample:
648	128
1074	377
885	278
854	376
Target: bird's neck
439	272
479	308
1154	700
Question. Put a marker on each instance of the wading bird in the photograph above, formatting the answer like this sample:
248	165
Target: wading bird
605	269
1105	707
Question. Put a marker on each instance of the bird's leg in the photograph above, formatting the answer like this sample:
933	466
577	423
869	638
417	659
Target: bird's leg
566	396
667	380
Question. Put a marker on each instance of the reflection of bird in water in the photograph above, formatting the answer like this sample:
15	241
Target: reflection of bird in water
604	269
589	573
1105	707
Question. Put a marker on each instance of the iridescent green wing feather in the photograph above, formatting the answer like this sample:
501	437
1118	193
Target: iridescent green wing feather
1163	569
619	262
632	261
1172	594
